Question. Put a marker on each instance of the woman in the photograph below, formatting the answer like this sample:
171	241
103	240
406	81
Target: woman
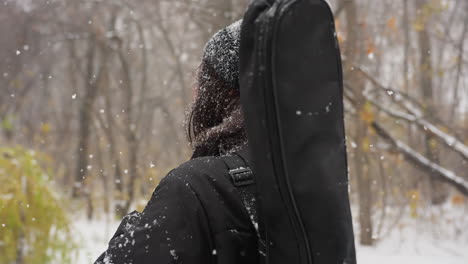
197	214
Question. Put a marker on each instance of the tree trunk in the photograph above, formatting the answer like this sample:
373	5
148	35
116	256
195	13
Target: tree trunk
85	122
353	54
438	191
130	133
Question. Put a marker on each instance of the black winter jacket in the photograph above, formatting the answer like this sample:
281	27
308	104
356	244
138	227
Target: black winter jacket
195	215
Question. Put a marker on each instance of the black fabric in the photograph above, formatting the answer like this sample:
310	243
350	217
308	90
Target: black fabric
195	215
242	177
291	94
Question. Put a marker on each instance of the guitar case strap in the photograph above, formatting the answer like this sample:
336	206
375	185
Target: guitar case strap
242	178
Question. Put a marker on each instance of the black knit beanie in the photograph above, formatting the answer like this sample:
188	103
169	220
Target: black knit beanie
222	53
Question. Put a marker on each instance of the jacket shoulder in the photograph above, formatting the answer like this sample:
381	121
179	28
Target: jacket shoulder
199	169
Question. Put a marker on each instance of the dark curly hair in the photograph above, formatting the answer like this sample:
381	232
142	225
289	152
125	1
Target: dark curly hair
215	122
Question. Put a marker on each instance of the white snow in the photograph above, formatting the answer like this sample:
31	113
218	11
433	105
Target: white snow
410	245
92	238
413	241
173	254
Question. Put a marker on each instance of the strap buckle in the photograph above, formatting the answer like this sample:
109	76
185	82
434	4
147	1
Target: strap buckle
241	176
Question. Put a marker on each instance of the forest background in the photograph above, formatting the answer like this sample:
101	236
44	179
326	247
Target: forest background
93	94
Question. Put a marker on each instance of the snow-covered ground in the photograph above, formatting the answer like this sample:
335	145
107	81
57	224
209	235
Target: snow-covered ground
412	241
92	238
411	248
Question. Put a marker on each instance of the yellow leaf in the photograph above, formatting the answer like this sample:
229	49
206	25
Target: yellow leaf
392	23
413	196
366	113
370	48
418	26
45	128
16	83
441	73
340	38
458	200
337	24
365	144
433	143
444	129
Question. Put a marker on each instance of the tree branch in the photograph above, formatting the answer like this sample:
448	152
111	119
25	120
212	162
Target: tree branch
450	141
423	163
415	115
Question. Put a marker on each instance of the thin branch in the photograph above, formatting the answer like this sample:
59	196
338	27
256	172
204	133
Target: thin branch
406	101
415	109
450	141
423	163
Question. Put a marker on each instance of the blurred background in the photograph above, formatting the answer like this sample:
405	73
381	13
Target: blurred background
94	92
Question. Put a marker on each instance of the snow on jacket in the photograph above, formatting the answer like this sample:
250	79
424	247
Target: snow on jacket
195	215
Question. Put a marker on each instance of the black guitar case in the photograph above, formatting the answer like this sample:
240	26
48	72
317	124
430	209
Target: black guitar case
292	96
